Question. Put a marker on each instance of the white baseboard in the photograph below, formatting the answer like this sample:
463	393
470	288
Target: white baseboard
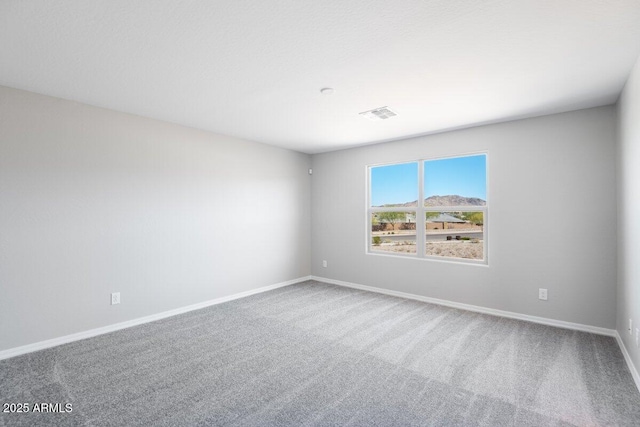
475	308
627	358
29	348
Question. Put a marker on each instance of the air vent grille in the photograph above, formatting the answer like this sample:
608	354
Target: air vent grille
381	113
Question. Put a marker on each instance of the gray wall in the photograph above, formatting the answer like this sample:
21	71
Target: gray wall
557	170
94	201
628	211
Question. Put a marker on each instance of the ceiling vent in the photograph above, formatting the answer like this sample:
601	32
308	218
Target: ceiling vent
381	113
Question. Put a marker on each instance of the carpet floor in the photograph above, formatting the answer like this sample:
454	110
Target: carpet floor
318	354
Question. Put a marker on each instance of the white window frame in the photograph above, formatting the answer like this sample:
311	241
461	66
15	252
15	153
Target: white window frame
421	210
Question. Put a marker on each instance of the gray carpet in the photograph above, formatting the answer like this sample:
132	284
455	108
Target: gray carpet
317	354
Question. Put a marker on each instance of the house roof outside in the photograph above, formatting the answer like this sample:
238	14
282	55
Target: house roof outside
443	217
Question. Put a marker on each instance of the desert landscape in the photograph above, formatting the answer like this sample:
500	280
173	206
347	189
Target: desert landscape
448	234
467	249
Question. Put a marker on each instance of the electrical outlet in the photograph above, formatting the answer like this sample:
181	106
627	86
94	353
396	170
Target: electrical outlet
542	294
630	327
324	263
115	298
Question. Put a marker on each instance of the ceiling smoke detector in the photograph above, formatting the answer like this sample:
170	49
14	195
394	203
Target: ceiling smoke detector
381	113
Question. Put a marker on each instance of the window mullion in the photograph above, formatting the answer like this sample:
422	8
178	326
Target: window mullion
420	216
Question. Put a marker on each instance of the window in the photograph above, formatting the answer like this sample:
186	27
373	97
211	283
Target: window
446	198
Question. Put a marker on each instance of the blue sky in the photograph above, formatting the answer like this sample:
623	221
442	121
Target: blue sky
464	176
394	184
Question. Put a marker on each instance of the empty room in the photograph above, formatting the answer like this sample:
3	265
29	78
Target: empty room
338	213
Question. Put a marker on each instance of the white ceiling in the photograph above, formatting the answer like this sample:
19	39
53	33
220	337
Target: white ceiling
254	69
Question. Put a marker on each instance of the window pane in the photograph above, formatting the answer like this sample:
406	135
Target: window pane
393	232
455	234
458	181
394	185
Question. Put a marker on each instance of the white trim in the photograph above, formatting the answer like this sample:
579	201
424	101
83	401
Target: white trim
451	260
627	358
421	238
475	308
29	348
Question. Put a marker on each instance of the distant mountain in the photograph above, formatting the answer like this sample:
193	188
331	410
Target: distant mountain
451	200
